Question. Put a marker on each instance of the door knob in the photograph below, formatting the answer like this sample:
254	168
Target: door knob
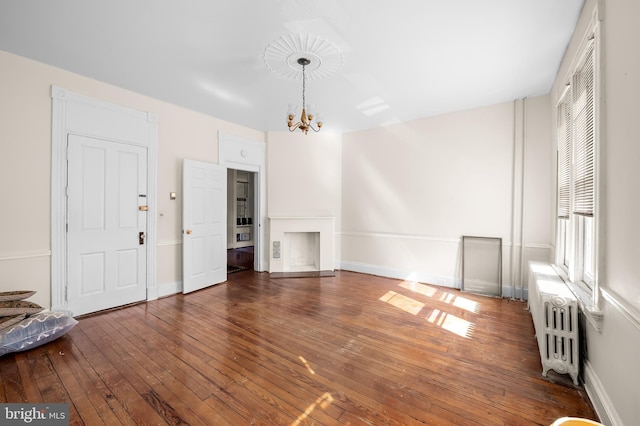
188	231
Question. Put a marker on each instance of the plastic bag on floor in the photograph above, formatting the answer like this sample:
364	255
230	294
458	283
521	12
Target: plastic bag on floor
35	330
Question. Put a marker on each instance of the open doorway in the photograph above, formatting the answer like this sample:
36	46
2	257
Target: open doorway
250	156
241	219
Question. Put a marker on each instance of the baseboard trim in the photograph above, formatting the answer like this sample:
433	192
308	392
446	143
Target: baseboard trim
512	292
439	280
400	274
168	289
599	397
302	274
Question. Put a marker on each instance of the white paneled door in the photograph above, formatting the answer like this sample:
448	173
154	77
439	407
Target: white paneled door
107	224
204	221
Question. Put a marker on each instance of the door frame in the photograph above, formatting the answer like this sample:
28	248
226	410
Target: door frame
250	156
73	113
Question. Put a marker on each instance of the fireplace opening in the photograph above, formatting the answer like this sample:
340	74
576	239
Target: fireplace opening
301	251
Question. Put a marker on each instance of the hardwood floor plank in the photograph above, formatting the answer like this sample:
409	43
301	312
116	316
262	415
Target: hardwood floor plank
12	386
265	336
234	370
168	385
369	357
258	361
284	343
250	363
241	327
56	352
46	376
353	349
135	366
370	376
93	388
218	380
30	386
122	394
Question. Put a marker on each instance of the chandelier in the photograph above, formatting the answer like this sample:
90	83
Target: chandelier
306	117
296	56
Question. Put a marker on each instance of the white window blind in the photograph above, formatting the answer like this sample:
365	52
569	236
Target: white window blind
564	156
584	132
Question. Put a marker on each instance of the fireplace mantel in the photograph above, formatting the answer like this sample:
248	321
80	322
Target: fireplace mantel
301	237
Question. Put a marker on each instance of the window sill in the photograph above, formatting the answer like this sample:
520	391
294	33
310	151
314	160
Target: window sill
585	299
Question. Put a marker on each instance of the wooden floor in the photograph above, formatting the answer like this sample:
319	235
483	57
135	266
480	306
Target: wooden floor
239	259
346	350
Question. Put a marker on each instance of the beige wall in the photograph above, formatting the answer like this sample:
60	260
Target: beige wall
621	148
25	167
304	176
411	190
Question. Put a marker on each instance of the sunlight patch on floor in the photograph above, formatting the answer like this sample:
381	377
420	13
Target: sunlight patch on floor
323	402
403	302
466	304
445	296
419	288
306	364
452	323
446	321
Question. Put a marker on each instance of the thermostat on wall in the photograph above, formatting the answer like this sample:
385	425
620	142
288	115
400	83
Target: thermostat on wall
276	250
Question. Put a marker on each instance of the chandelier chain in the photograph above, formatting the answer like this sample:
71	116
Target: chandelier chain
304	84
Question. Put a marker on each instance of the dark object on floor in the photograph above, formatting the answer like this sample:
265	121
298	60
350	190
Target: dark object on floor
232	268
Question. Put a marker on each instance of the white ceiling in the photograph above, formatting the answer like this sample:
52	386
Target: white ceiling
403	59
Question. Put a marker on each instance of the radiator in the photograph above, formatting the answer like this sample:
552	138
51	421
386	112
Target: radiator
554	310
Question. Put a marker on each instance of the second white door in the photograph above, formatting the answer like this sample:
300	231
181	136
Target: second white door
204	221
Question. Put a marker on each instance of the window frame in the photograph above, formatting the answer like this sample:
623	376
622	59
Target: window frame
576	256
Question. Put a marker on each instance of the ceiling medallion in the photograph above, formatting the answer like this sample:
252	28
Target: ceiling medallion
281	57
